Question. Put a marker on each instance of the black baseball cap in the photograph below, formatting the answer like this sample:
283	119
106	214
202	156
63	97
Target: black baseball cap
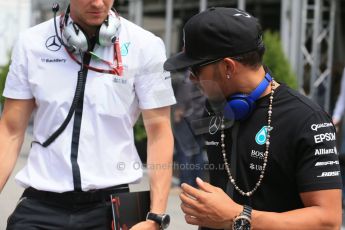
216	33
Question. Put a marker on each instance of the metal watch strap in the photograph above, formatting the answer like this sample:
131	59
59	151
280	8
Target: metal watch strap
247	211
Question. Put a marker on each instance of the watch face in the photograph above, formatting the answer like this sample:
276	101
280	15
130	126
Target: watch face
241	224
165	221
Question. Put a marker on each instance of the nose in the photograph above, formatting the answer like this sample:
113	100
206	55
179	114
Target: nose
97	3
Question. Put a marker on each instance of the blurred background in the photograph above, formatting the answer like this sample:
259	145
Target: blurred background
311	32
304	48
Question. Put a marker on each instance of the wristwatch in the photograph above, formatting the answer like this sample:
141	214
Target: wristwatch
243	221
163	220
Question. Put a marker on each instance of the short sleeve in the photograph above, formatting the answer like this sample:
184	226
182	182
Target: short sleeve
317	156
153	83
17	84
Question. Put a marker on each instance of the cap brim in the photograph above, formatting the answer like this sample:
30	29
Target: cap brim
180	61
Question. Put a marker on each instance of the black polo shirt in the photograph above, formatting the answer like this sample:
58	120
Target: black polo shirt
302	155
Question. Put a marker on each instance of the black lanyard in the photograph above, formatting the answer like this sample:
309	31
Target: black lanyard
77	110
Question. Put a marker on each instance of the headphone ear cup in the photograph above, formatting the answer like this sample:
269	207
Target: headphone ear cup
109	31
75	38
239	107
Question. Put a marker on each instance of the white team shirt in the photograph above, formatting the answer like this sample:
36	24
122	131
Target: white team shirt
107	155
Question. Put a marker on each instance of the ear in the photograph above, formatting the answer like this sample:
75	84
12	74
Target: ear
230	66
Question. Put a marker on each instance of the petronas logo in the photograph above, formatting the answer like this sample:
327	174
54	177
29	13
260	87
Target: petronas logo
261	136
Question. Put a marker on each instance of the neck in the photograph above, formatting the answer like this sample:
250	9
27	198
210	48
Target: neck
89	30
249	79
246	80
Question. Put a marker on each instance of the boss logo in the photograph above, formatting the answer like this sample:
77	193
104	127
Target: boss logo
329	174
257	154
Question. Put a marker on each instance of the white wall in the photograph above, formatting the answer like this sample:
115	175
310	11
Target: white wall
15	17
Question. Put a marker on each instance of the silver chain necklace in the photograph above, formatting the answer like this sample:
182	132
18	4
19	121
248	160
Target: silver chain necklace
227	167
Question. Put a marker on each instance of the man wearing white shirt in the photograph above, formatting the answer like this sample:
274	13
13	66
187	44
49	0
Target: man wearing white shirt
121	75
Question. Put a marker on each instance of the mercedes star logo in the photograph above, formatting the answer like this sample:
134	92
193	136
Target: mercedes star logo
214	124
53	44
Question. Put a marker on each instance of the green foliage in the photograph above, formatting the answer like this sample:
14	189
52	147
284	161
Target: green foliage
276	60
139	130
3	73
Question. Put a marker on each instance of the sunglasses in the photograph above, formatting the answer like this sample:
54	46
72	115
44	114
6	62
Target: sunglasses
195	69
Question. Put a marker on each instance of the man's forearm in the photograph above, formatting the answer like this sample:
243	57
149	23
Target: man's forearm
310	218
13	123
160	153
9	150
322	211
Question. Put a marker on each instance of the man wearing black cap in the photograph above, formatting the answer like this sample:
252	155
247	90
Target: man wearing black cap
272	154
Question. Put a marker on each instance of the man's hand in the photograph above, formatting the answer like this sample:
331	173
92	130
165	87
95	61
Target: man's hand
209	206
146	225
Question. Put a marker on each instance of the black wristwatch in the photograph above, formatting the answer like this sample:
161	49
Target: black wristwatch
163	220
243	221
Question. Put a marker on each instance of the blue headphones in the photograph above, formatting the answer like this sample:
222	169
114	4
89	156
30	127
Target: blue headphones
240	106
